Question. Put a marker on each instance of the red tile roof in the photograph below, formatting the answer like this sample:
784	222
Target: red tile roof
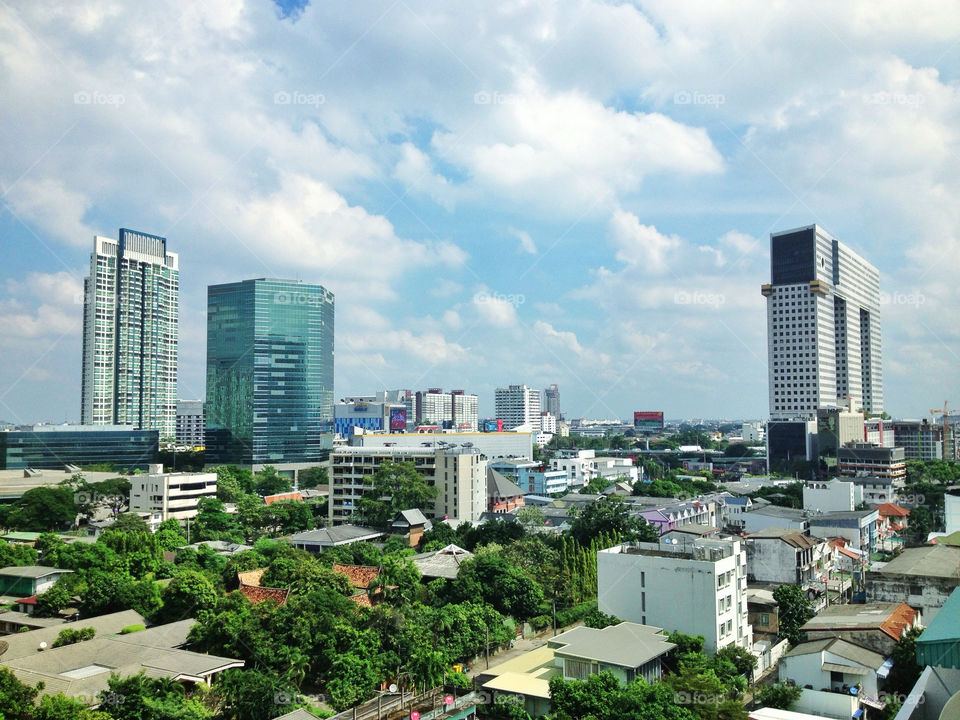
360	576
900	619
362	600
282	497
889	509
257	595
32	600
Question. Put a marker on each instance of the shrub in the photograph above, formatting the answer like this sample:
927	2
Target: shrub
132	629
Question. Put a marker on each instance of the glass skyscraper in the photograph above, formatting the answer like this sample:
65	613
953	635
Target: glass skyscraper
130	328
269	373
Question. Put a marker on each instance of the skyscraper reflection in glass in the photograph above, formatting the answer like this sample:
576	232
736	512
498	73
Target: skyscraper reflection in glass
269	373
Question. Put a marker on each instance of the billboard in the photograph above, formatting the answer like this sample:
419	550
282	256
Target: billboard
648	421
398	419
490	425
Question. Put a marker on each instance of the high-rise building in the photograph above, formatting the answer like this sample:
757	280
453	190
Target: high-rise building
551	401
269	373
517	405
190	423
130	326
823	326
453	410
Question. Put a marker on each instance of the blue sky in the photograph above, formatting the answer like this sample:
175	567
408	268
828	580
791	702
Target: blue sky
577	193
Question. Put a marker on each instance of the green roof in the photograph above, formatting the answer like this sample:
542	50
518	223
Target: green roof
939	643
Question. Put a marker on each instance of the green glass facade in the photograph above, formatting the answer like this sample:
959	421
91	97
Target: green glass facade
52	449
269	372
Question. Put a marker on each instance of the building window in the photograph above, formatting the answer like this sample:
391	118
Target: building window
765	620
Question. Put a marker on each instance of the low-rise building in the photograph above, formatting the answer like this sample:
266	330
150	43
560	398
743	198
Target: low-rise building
543	482
779	555
859	527
922	577
831	495
320	539
628	651
868	459
877	490
503	495
444	563
763	614
707	581
171	494
24	581
877	626
766	516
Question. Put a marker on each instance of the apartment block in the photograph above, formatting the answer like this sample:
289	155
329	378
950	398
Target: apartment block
698	587
171	494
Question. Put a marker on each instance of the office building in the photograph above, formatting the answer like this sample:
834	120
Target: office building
269	374
698	587
823	325
373	413
538	481
517	406
190	423
458	473
130	326
836	428
49	447
862	459
551	401
789	441
920	439
171	494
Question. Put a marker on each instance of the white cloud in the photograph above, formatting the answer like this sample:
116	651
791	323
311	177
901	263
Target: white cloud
527	244
52	209
639	244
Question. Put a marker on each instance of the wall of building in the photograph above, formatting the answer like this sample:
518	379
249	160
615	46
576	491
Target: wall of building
924	593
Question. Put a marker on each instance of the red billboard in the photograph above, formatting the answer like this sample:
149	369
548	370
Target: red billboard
648	421
398	419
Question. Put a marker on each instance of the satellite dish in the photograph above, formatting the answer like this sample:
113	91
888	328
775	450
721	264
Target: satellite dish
392	688
43	646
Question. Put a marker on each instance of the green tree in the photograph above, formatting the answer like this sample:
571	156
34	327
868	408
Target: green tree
69	636
778	695
233	482
905	671
43	508
270	482
608	516
795	610
138	697
500	583
60	707
16	699
170	535
530	516
189	594
597	619
352	679
921	523
313	477
16	554
742	659
250	694
395	486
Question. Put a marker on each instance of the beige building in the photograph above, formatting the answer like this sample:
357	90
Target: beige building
173	494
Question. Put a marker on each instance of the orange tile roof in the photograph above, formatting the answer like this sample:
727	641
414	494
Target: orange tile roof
362	600
283	497
257	595
889	509
251	577
900	619
360	576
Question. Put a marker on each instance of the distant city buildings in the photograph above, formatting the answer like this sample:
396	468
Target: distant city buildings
387	411
130	332
455	410
823	326
517	406
269	374
493	445
190	423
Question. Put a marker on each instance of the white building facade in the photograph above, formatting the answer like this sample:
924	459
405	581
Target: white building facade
517	405
171	494
698	587
823	326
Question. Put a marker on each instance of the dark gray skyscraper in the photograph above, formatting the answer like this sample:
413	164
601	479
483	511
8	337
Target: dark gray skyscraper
269	373
551	400
823	326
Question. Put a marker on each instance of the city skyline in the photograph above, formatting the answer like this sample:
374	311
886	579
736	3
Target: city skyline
490	200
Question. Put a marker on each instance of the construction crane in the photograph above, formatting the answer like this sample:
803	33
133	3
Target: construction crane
947	445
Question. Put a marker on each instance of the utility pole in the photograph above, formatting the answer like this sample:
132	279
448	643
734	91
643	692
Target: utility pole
487	646
554	615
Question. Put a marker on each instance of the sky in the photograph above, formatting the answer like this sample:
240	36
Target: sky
532	192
